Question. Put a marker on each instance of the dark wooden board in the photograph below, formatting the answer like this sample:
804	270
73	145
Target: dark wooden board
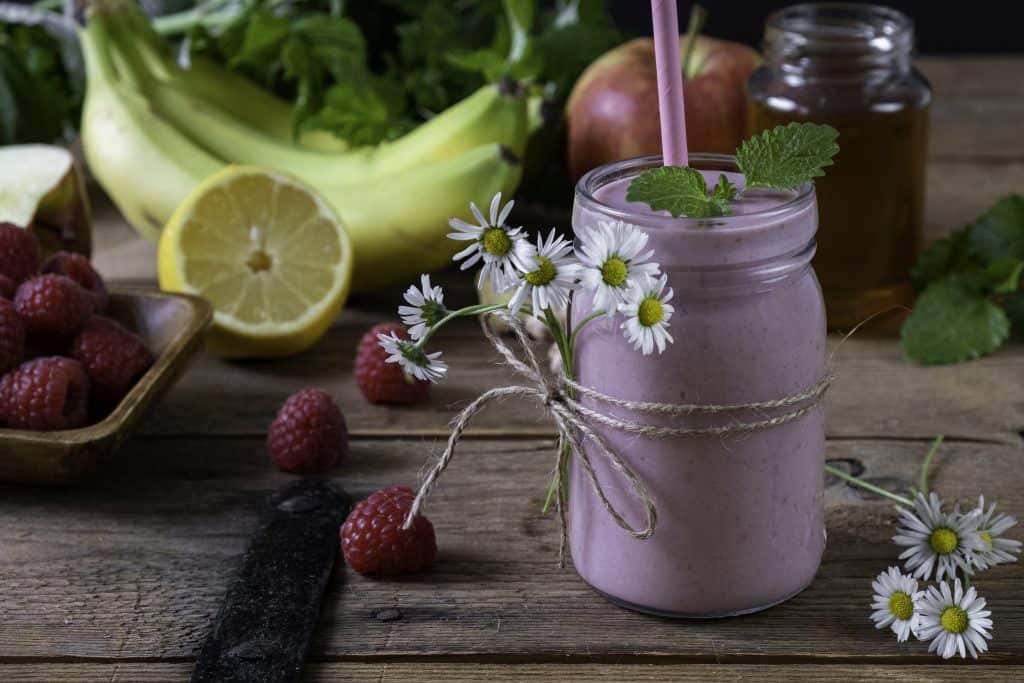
135	565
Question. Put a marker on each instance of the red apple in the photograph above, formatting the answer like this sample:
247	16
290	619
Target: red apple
612	113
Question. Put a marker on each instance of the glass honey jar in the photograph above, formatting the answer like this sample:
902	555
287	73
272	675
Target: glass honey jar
849	65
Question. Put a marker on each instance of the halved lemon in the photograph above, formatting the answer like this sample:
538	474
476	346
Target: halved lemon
267	251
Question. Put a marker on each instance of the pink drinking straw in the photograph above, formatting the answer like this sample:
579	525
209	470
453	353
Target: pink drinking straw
670	82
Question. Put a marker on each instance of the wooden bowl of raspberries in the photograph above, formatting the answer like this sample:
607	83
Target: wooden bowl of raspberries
80	365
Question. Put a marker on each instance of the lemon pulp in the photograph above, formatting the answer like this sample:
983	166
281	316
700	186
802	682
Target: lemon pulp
267	251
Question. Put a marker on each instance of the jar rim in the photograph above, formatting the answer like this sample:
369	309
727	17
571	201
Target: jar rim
596	178
839	30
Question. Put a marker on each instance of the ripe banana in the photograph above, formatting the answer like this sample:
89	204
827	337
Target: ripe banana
398	227
495	113
221	87
147	166
396	220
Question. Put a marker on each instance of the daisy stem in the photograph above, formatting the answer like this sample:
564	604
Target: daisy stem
923	483
865	485
565	349
476	309
583	323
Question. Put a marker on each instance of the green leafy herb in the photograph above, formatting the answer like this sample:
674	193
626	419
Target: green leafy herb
780	158
409	59
787	156
952	322
41	85
948	255
681	191
723	194
971	288
999	234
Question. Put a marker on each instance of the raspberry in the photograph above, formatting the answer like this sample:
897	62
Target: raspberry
373	541
113	357
7	287
19	253
309	433
45	394
383	382
53	307
78	268
12	336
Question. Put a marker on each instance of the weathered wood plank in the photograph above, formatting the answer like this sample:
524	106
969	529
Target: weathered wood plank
134	565
457	672
878	394
977	106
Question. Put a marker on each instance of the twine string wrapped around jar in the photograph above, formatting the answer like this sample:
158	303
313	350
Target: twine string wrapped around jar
573	422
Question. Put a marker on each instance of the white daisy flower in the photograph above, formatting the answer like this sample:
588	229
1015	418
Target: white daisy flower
936	540
895	603
647	311
994	548
502	249
954	621
425	309
613	258
550	278
412	359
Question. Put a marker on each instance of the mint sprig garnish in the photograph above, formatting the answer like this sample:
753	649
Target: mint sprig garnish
787	156
781	158
681	191
723	195
971	294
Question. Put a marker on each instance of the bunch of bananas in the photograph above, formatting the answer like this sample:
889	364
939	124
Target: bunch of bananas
153	131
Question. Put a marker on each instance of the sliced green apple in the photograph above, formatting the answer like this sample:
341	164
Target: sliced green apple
42	189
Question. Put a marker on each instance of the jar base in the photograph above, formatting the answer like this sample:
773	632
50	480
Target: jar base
654	611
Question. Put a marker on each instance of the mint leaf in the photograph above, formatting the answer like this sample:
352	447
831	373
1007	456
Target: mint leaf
680	190
263	37
999	233
1002	277
360	114
947	255
952	322
787	156
723	194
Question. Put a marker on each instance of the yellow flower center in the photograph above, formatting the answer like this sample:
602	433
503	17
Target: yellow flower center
544	274
954	619
987	537
496	241
943	540
901	606
650	312
614	271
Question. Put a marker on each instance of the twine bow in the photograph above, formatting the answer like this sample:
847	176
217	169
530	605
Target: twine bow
556	393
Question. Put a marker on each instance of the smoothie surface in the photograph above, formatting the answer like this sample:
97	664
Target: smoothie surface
614	194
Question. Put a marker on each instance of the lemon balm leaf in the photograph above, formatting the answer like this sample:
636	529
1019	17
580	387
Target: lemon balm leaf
680	190
723	194
953	321
787	156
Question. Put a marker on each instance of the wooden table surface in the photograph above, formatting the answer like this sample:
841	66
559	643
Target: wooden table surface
119	578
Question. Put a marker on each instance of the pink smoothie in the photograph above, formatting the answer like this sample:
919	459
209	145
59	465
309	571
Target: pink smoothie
740	518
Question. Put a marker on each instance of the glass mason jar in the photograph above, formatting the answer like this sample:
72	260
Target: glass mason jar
740	517
849	65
